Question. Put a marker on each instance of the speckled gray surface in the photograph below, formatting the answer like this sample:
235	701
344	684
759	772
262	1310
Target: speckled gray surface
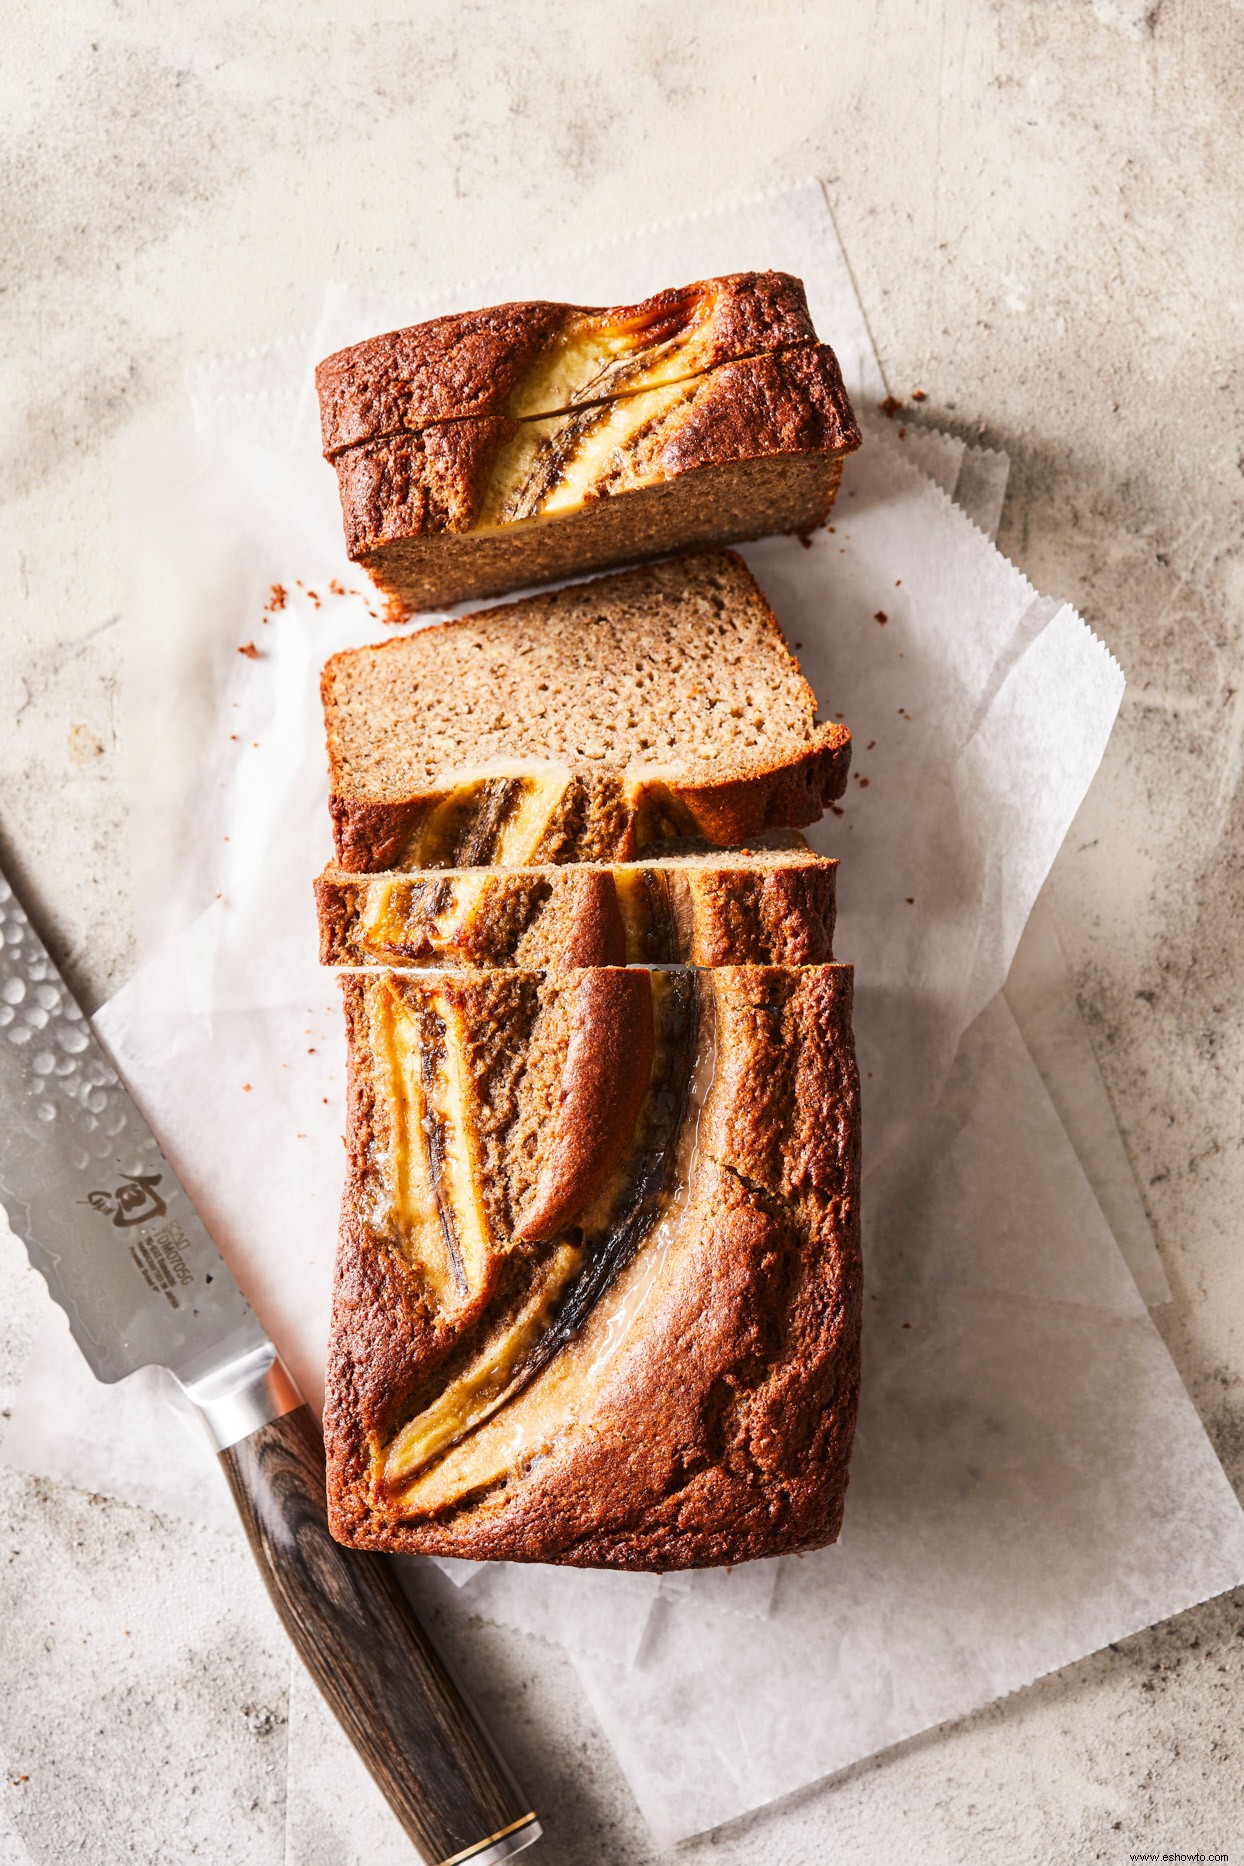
1041	207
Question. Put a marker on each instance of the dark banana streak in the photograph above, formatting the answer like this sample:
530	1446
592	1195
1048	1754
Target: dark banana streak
661	933
614	375
650	1174
552	457
432	1038
478	847
653	1167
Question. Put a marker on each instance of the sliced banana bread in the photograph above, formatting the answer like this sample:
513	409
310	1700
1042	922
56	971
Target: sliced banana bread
748	908
614	718
513	446
476	507
597	1296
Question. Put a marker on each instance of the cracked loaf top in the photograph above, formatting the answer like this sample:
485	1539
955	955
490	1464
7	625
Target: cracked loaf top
538	359
598	1289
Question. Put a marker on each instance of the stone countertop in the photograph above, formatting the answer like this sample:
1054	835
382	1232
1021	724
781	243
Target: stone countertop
1041	205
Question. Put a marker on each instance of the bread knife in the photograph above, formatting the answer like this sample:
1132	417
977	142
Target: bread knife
112	1230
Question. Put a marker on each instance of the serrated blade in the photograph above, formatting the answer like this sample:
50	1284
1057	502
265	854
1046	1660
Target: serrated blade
102	1214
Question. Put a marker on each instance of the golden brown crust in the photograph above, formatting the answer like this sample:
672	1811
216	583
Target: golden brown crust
417	485
437	480
371	837
596	934
723	1431
793	402
785	796
471	364
775	909
779	915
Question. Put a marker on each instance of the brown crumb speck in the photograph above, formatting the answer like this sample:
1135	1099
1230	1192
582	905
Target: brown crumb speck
870	745
918	395
863	782
889	408
249	649
881	617
836	809
277	598
805	538
246	1088
84	747
911	900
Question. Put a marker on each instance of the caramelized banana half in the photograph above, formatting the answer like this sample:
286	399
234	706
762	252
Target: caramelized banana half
602	355
515	1192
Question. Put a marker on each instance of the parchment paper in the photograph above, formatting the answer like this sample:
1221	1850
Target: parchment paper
979	712
1041	999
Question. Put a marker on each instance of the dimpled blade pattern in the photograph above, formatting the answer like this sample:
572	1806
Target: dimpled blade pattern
101	1212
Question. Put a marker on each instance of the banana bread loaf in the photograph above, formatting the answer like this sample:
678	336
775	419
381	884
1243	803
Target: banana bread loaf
774	907
481	454
597	1297
619	717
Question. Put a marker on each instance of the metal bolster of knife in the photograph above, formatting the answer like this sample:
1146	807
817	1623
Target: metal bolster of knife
236	1399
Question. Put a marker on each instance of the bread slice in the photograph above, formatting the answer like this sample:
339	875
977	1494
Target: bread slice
770	908
475	506
597	1297
604	721
532	359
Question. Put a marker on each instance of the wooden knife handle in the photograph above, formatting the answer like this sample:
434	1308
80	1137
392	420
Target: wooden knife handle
366	1651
